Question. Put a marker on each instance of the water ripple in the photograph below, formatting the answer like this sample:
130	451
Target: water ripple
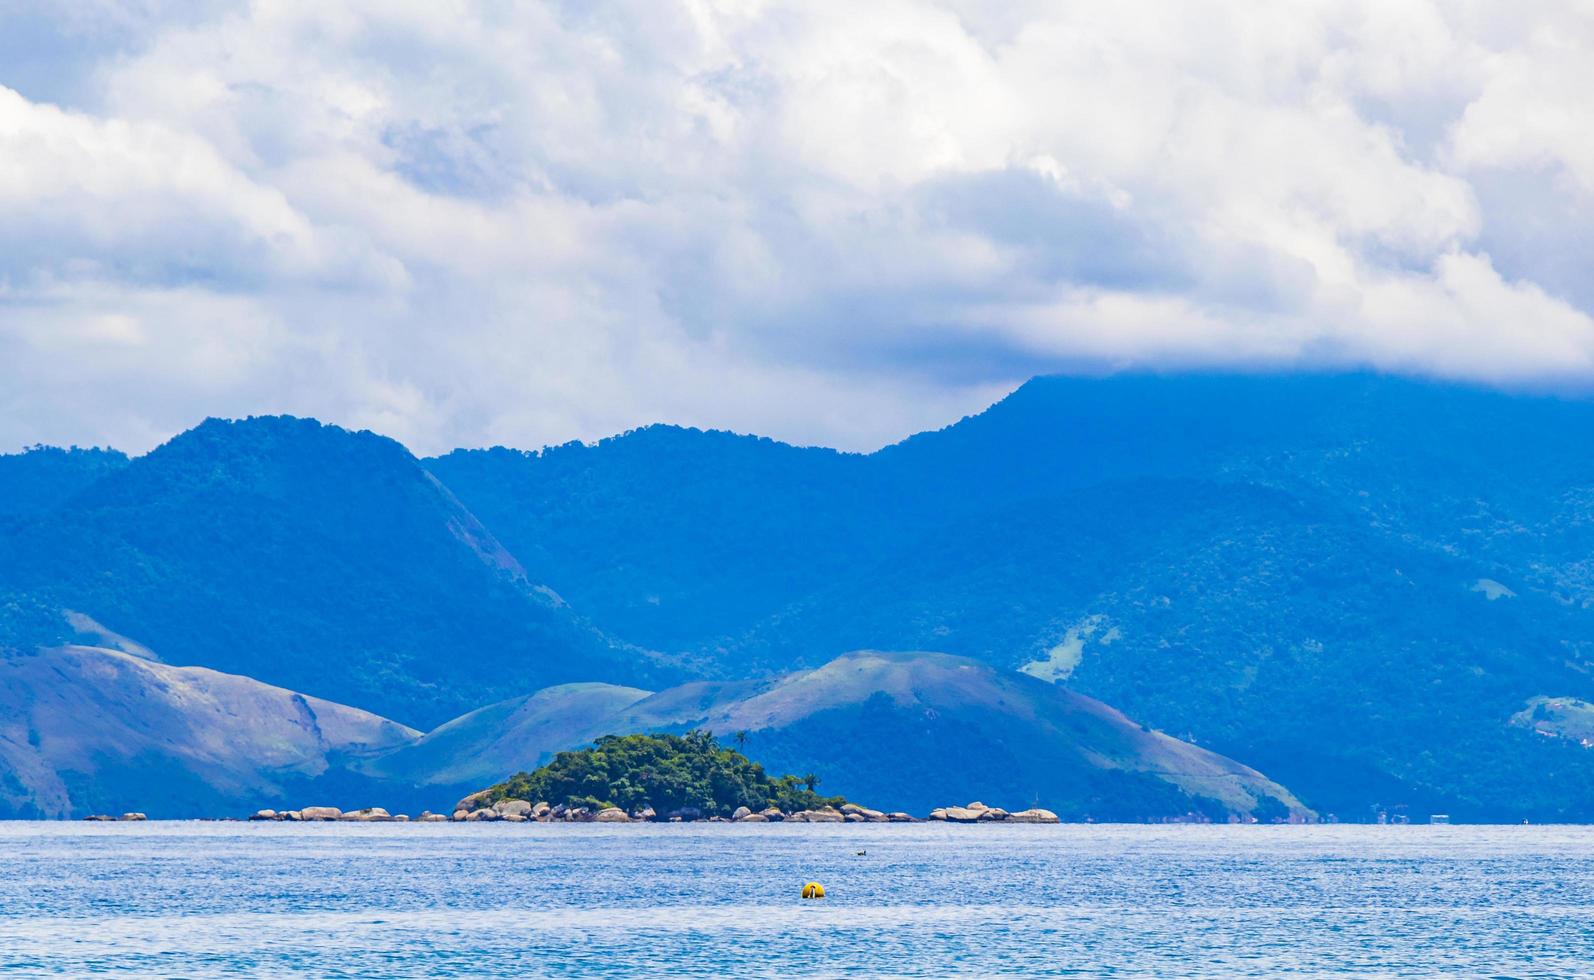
218	900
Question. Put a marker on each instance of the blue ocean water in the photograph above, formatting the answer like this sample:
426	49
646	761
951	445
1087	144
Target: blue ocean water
925	900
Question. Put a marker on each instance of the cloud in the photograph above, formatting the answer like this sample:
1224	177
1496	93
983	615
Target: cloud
470	222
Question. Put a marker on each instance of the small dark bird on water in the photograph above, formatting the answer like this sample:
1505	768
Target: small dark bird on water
862	853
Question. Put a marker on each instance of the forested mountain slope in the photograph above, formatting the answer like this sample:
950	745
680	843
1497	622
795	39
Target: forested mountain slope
309	557
1350	581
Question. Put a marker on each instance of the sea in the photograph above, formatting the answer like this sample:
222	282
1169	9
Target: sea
194	899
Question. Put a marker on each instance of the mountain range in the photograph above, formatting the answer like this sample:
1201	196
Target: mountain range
1358	585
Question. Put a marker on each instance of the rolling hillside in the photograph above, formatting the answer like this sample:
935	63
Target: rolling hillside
309	557
87	729
902	730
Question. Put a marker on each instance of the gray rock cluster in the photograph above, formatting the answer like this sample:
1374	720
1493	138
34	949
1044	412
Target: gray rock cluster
124	818
848	813
370	814
978	812
474	809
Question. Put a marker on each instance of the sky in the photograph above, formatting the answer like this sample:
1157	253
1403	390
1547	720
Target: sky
473	223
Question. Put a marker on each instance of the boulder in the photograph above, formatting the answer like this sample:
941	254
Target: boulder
976	806
899	817
939	813
370	814
484	814
855	818
753	818
1033	815
741	813
99	818
133	817
265	815
517	807
647	813
433	818
474	801
401	818
960	814
612	814
772	814
541	811
512	817
320	813
292	816
822	815
863	811
461	814
993	813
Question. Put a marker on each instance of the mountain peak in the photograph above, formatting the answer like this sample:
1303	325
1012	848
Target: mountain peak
271	455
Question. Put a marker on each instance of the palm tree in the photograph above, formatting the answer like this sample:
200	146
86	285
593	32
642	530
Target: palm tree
810	781
741	739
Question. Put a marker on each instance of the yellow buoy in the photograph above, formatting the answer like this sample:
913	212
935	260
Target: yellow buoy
813	890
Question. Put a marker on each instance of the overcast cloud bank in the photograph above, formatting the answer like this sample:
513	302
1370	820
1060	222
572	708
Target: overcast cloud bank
464	223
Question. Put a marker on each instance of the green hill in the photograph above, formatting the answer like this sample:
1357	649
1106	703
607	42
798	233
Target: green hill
306	556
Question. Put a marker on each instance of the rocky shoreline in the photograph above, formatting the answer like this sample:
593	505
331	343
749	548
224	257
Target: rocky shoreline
473	809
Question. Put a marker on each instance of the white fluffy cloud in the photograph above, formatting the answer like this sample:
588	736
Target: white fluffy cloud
470	222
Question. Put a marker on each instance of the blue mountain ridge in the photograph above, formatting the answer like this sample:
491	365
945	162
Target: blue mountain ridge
1357	584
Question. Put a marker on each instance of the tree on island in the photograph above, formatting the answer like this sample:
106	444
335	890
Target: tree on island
667	772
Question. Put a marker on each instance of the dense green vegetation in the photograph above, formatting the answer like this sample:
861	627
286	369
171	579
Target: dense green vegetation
44	477
309	557
1286	569
666	772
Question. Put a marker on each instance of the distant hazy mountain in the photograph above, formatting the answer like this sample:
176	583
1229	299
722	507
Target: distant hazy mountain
1353	582
89	729
310	557
899	730
485	745
86	729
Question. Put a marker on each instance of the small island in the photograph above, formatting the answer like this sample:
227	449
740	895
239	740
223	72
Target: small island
650	777
659	778
625	778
